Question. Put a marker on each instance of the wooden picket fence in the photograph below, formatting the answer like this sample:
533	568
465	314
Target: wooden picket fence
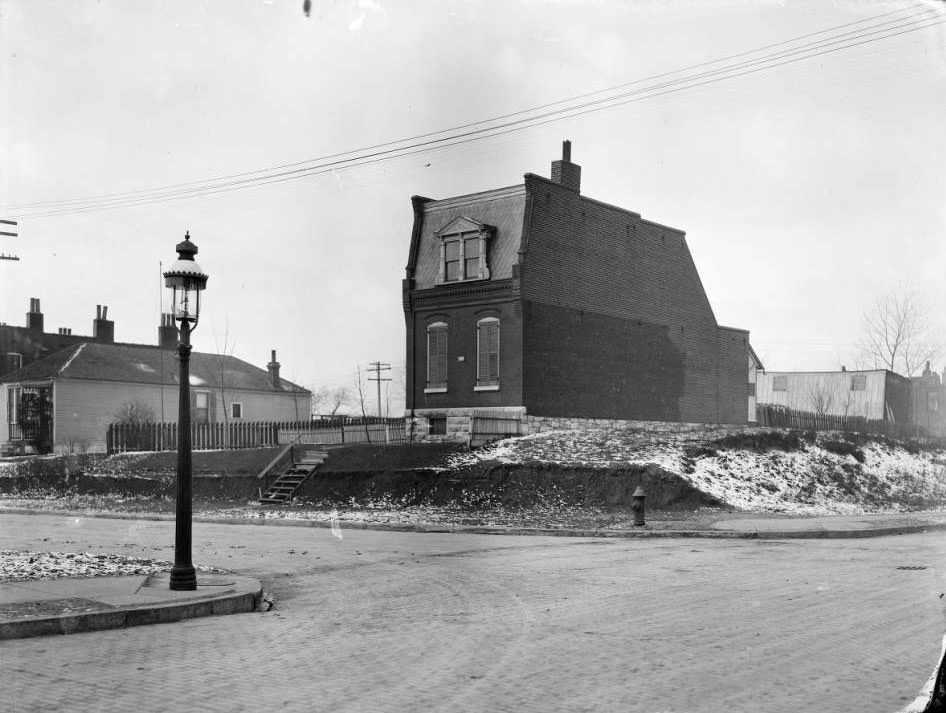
125	437
775	416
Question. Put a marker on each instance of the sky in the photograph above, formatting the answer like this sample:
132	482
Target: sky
808	186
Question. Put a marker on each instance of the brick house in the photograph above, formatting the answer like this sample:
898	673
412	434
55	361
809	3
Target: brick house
20	346
536	301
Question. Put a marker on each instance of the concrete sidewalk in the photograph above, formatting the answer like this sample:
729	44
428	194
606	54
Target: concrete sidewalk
72	605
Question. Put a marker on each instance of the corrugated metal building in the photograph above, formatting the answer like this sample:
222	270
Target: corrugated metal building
876	394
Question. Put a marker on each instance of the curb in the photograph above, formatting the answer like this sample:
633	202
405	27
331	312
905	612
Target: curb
235	603
815	534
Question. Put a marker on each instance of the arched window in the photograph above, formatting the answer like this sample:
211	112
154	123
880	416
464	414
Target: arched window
436	358
487	354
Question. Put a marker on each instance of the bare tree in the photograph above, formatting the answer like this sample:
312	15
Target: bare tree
134	413
820	397
359	385
896	332
330	401
219	376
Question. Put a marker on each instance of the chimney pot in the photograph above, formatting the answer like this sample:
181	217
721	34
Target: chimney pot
103	330
34	318
564	172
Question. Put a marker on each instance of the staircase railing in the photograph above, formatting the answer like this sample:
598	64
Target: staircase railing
276	466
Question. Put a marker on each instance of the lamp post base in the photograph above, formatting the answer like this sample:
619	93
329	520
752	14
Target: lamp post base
183	578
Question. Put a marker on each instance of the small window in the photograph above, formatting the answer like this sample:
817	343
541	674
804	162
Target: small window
462	259
438	425
236	410
487	354
751	388
779	383
11	362
201	407
463	250
436	358
859	382
932	401
13	406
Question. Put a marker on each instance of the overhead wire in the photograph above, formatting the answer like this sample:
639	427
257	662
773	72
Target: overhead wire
528	119
479	122
218	185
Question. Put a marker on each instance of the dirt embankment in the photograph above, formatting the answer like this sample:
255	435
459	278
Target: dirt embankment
508	485
401	476
756	470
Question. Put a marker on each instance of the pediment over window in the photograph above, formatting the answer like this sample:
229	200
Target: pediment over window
462	224
464	247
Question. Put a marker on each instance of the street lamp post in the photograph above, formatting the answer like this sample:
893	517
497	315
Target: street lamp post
186	281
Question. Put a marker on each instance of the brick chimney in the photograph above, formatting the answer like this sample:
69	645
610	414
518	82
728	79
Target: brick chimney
167	332
34	318
273	367
103	329
566	173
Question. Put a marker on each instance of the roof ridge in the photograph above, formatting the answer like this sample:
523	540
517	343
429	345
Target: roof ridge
70	359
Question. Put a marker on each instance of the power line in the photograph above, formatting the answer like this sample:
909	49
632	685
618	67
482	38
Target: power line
475	123
384	152
8	232
468	137
377	367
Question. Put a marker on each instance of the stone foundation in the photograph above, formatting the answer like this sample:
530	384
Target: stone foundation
457	424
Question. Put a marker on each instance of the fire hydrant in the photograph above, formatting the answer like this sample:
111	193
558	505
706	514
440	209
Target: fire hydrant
637	506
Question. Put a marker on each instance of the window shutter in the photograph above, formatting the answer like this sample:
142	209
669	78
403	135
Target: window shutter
437	356
488	357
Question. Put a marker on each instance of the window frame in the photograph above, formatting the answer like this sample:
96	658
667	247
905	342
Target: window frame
779	383
438	386
234	407
455	238
491	380
13	409
859	382
196	408
9	360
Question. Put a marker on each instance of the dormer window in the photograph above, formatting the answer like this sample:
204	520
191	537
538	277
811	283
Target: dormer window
463	250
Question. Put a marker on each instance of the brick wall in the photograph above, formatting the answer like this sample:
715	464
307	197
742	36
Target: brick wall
733	375
586	364
643	340
461	343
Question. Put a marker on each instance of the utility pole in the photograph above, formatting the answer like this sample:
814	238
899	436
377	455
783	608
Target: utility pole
377	367
7	233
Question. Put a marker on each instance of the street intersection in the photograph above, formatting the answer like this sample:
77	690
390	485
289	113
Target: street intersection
369	620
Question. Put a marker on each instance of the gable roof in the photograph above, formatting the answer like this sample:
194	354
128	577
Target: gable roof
146	365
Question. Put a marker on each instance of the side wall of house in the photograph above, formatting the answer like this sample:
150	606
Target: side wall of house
734	403
621	284
83	409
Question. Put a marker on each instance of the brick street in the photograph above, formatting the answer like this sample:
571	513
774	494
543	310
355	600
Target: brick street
389	621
